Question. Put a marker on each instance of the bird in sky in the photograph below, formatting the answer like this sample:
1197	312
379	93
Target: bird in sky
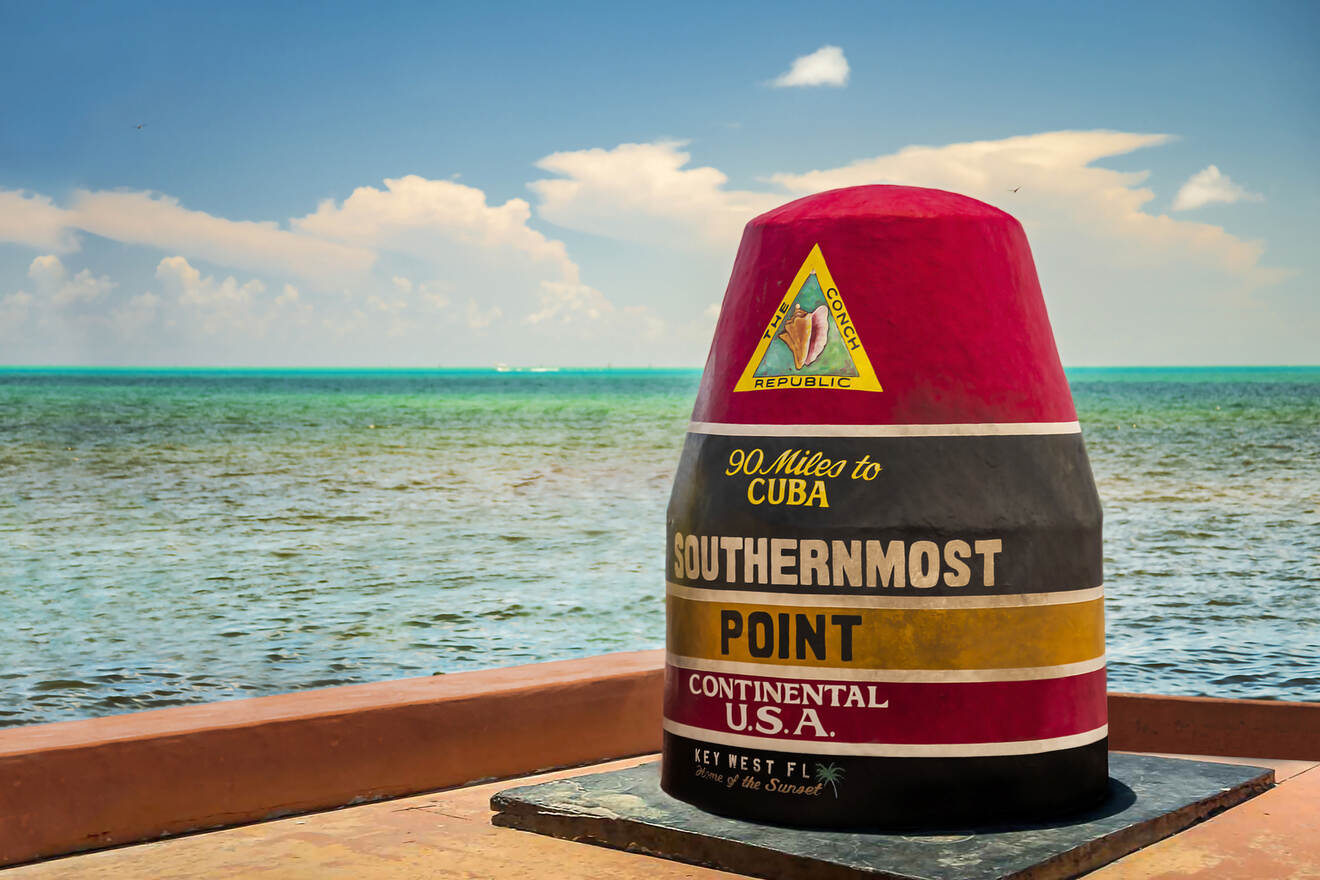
140	126
1013	190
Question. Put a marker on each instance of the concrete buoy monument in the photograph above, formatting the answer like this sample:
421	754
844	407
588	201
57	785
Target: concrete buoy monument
884	599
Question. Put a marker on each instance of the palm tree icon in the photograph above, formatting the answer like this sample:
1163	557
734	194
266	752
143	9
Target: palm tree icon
831	773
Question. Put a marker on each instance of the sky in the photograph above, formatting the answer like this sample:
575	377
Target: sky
420	185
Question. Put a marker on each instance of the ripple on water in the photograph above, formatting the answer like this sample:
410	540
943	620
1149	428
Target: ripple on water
257	538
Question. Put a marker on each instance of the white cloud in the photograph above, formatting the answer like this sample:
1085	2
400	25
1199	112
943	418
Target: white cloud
991	166
412	212
217	306
1211	185
192	289
642	192
446	229
1103	257
431	294
388	306
1123	285
825	67
341	327
14	309
156	220
650	326
53	282
160	221
133	317
564	303
583	313
1059	191
36	221
47	271
83	287
477	319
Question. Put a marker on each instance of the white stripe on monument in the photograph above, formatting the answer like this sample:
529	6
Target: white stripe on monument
1000	429
851	600
889	750
889	676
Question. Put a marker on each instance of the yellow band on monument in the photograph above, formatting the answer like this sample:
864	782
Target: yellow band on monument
887	638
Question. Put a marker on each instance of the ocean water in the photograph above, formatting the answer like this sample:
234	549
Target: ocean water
171	537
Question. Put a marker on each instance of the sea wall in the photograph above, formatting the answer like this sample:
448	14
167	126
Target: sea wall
81	785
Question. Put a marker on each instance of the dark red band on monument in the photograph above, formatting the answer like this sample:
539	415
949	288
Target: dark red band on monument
931	713
953	340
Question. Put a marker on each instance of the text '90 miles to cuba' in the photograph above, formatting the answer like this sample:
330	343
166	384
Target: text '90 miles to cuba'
795	477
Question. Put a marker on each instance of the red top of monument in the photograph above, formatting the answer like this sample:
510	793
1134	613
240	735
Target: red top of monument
933	292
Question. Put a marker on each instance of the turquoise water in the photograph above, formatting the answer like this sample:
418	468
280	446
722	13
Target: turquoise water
171	537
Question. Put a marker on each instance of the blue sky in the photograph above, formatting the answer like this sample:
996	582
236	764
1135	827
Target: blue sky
569	182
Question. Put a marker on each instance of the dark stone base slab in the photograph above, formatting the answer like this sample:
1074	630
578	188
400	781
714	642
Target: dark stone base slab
1150	798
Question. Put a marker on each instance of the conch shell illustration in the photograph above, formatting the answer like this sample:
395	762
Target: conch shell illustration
805	333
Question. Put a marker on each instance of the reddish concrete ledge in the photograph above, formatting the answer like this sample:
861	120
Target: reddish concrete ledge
1207	726
79	785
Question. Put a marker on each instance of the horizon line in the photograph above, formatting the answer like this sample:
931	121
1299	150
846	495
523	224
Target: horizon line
509	368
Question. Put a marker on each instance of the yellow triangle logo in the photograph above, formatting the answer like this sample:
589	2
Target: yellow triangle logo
810	341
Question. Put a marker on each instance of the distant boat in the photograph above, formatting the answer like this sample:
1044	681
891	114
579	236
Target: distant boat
545	369
503	368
